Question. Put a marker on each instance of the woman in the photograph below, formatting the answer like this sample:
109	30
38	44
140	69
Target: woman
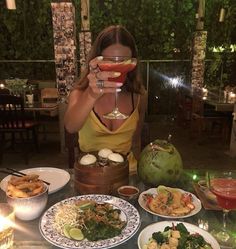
94	96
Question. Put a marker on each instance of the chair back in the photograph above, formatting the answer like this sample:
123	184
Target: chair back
4	91
12	115
49	95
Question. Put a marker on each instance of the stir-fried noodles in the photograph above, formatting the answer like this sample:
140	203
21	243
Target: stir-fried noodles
96	220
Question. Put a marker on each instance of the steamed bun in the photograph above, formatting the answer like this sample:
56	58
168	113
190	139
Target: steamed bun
104	153
116	157
88	159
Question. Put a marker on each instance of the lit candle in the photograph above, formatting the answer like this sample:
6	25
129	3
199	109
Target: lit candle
232	97
11	4
222	15
204	92
2	86
6	225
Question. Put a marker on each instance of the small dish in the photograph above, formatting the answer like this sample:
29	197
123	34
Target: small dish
57	177
208	194
128	192
202	185
29	208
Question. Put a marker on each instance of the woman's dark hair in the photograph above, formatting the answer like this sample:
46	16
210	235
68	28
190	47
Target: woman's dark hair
109	36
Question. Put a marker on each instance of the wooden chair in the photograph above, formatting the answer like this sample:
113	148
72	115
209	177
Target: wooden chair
72	146
4	91
206	122
13	124
48	97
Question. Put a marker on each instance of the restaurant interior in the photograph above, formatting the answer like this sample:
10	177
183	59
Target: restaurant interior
187	56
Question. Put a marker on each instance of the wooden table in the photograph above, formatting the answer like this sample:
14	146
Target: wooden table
220	106
29	237
51	108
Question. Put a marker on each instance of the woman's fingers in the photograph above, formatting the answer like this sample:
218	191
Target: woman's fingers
105	85
105	75
93	64
106	90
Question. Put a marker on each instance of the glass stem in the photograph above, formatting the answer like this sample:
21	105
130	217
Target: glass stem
225	216
116	98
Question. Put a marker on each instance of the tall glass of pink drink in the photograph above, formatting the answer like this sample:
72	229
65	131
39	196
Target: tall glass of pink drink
120	64
225	191
223	185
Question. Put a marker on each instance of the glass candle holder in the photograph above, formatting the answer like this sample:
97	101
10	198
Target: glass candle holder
232	97
7	218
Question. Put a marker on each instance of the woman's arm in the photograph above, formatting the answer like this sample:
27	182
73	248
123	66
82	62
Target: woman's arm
79	106
81	102
136	143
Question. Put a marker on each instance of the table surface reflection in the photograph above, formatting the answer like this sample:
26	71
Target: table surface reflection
27	236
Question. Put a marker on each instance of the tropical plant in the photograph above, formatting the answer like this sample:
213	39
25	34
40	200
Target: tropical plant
163	28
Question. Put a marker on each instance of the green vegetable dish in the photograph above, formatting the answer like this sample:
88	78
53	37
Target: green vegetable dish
176	237
88	220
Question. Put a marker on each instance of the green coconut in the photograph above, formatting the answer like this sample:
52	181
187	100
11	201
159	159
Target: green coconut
160	164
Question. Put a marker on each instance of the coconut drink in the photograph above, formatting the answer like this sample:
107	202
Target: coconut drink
160	164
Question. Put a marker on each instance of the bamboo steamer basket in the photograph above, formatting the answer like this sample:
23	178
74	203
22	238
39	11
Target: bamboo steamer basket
99	179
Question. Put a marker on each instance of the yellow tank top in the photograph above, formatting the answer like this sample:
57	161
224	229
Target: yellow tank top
94	136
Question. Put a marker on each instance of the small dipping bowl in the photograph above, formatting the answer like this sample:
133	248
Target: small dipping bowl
128	192
202	185
208	194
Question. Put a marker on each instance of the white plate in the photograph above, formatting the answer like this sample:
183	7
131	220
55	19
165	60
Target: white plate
147	232
153	191
128	213
58	178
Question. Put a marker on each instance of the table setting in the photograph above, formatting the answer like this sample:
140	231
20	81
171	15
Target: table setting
136	215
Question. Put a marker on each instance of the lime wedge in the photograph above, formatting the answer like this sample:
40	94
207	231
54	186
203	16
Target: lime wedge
76	233
66	230
127	62
85	206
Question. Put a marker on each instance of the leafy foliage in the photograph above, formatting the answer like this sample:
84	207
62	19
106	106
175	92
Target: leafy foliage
162	29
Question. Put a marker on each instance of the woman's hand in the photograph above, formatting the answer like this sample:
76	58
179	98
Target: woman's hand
98	80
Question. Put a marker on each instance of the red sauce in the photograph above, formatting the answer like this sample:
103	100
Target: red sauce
128	191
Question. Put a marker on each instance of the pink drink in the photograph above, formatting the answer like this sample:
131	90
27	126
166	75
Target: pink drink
122	67
225	191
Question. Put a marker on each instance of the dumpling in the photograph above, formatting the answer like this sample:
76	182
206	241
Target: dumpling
115	158
88	159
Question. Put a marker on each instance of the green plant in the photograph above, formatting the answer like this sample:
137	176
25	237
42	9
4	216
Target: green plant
16	86
162	30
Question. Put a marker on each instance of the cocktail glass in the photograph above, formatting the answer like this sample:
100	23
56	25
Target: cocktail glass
117	64
223	185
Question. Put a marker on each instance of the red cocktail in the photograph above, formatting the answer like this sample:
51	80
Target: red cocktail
117	64
225	191
223	185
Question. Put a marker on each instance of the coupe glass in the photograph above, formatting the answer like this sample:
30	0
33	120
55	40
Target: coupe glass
117	64
223	185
